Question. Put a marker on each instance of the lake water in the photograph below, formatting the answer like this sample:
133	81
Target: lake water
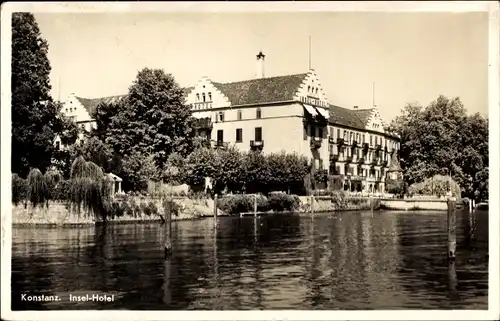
352	260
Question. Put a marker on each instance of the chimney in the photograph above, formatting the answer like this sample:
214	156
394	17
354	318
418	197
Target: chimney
260	65
355	107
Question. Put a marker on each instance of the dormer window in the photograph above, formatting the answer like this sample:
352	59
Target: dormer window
308	88
209	96
197	97
203	95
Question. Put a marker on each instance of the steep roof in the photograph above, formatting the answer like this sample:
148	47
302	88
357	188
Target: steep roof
261	90
395	166
363	115
91	104
346	117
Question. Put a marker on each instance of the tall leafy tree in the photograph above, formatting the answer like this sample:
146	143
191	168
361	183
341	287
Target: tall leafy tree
33	110
442	139
152	118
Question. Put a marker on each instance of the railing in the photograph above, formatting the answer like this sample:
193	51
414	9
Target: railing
348	159
334	157
331	140
204	123
316	142
340	141
202	105
361	160
256	144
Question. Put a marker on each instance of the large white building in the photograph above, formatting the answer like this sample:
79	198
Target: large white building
290	113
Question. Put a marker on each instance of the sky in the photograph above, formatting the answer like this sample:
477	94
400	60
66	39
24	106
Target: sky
410	57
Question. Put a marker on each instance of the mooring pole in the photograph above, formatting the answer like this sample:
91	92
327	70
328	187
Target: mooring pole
312	204
473	204
452	236
168	231
470	206
255	205
215	211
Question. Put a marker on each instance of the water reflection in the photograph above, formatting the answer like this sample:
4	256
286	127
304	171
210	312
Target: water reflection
360	260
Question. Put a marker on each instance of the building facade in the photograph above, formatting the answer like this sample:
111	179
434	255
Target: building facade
287	113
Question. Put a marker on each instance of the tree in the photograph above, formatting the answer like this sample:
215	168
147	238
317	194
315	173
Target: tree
152	118
137	170
442	139
33	111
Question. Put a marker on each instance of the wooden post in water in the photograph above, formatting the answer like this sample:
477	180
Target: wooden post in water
215	211
168	228
470	206
452	236
312	204
255	205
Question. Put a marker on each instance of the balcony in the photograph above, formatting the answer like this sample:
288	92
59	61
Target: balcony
378	147
340	141
204	123
361	160
316	142
257	144
374	161
354	144
348	159
331	140
201	105
334	158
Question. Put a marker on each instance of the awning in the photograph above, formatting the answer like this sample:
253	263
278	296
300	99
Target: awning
323	112
202	114
310	109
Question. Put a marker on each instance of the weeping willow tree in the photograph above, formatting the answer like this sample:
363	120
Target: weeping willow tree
90	188
37	191
52	178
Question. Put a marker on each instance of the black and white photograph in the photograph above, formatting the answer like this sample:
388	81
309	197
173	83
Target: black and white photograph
250	160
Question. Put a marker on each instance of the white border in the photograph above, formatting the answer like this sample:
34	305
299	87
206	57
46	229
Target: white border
435	6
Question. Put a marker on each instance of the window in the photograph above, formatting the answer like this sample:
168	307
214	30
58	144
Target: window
203	95
305	132
376	140
357	138
220	135
371	140
308	88
258	134
221	116
239	115
316	91
259	113
197	97
209	96
331	132
345	134
338	133
239	135
351	137
320	132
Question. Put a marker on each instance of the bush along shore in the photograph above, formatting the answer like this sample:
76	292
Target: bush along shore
136	209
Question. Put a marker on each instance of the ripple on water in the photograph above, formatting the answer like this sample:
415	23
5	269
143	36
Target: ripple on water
334	261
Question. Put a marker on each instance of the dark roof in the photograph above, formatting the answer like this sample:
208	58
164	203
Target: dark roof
346	117
91	104
363	114
261	90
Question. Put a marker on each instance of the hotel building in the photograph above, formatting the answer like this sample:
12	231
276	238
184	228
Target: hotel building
290	113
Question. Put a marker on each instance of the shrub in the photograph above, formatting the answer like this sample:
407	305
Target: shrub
279	202
151	208
168	203
117	209
394	186
19	189
340	200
